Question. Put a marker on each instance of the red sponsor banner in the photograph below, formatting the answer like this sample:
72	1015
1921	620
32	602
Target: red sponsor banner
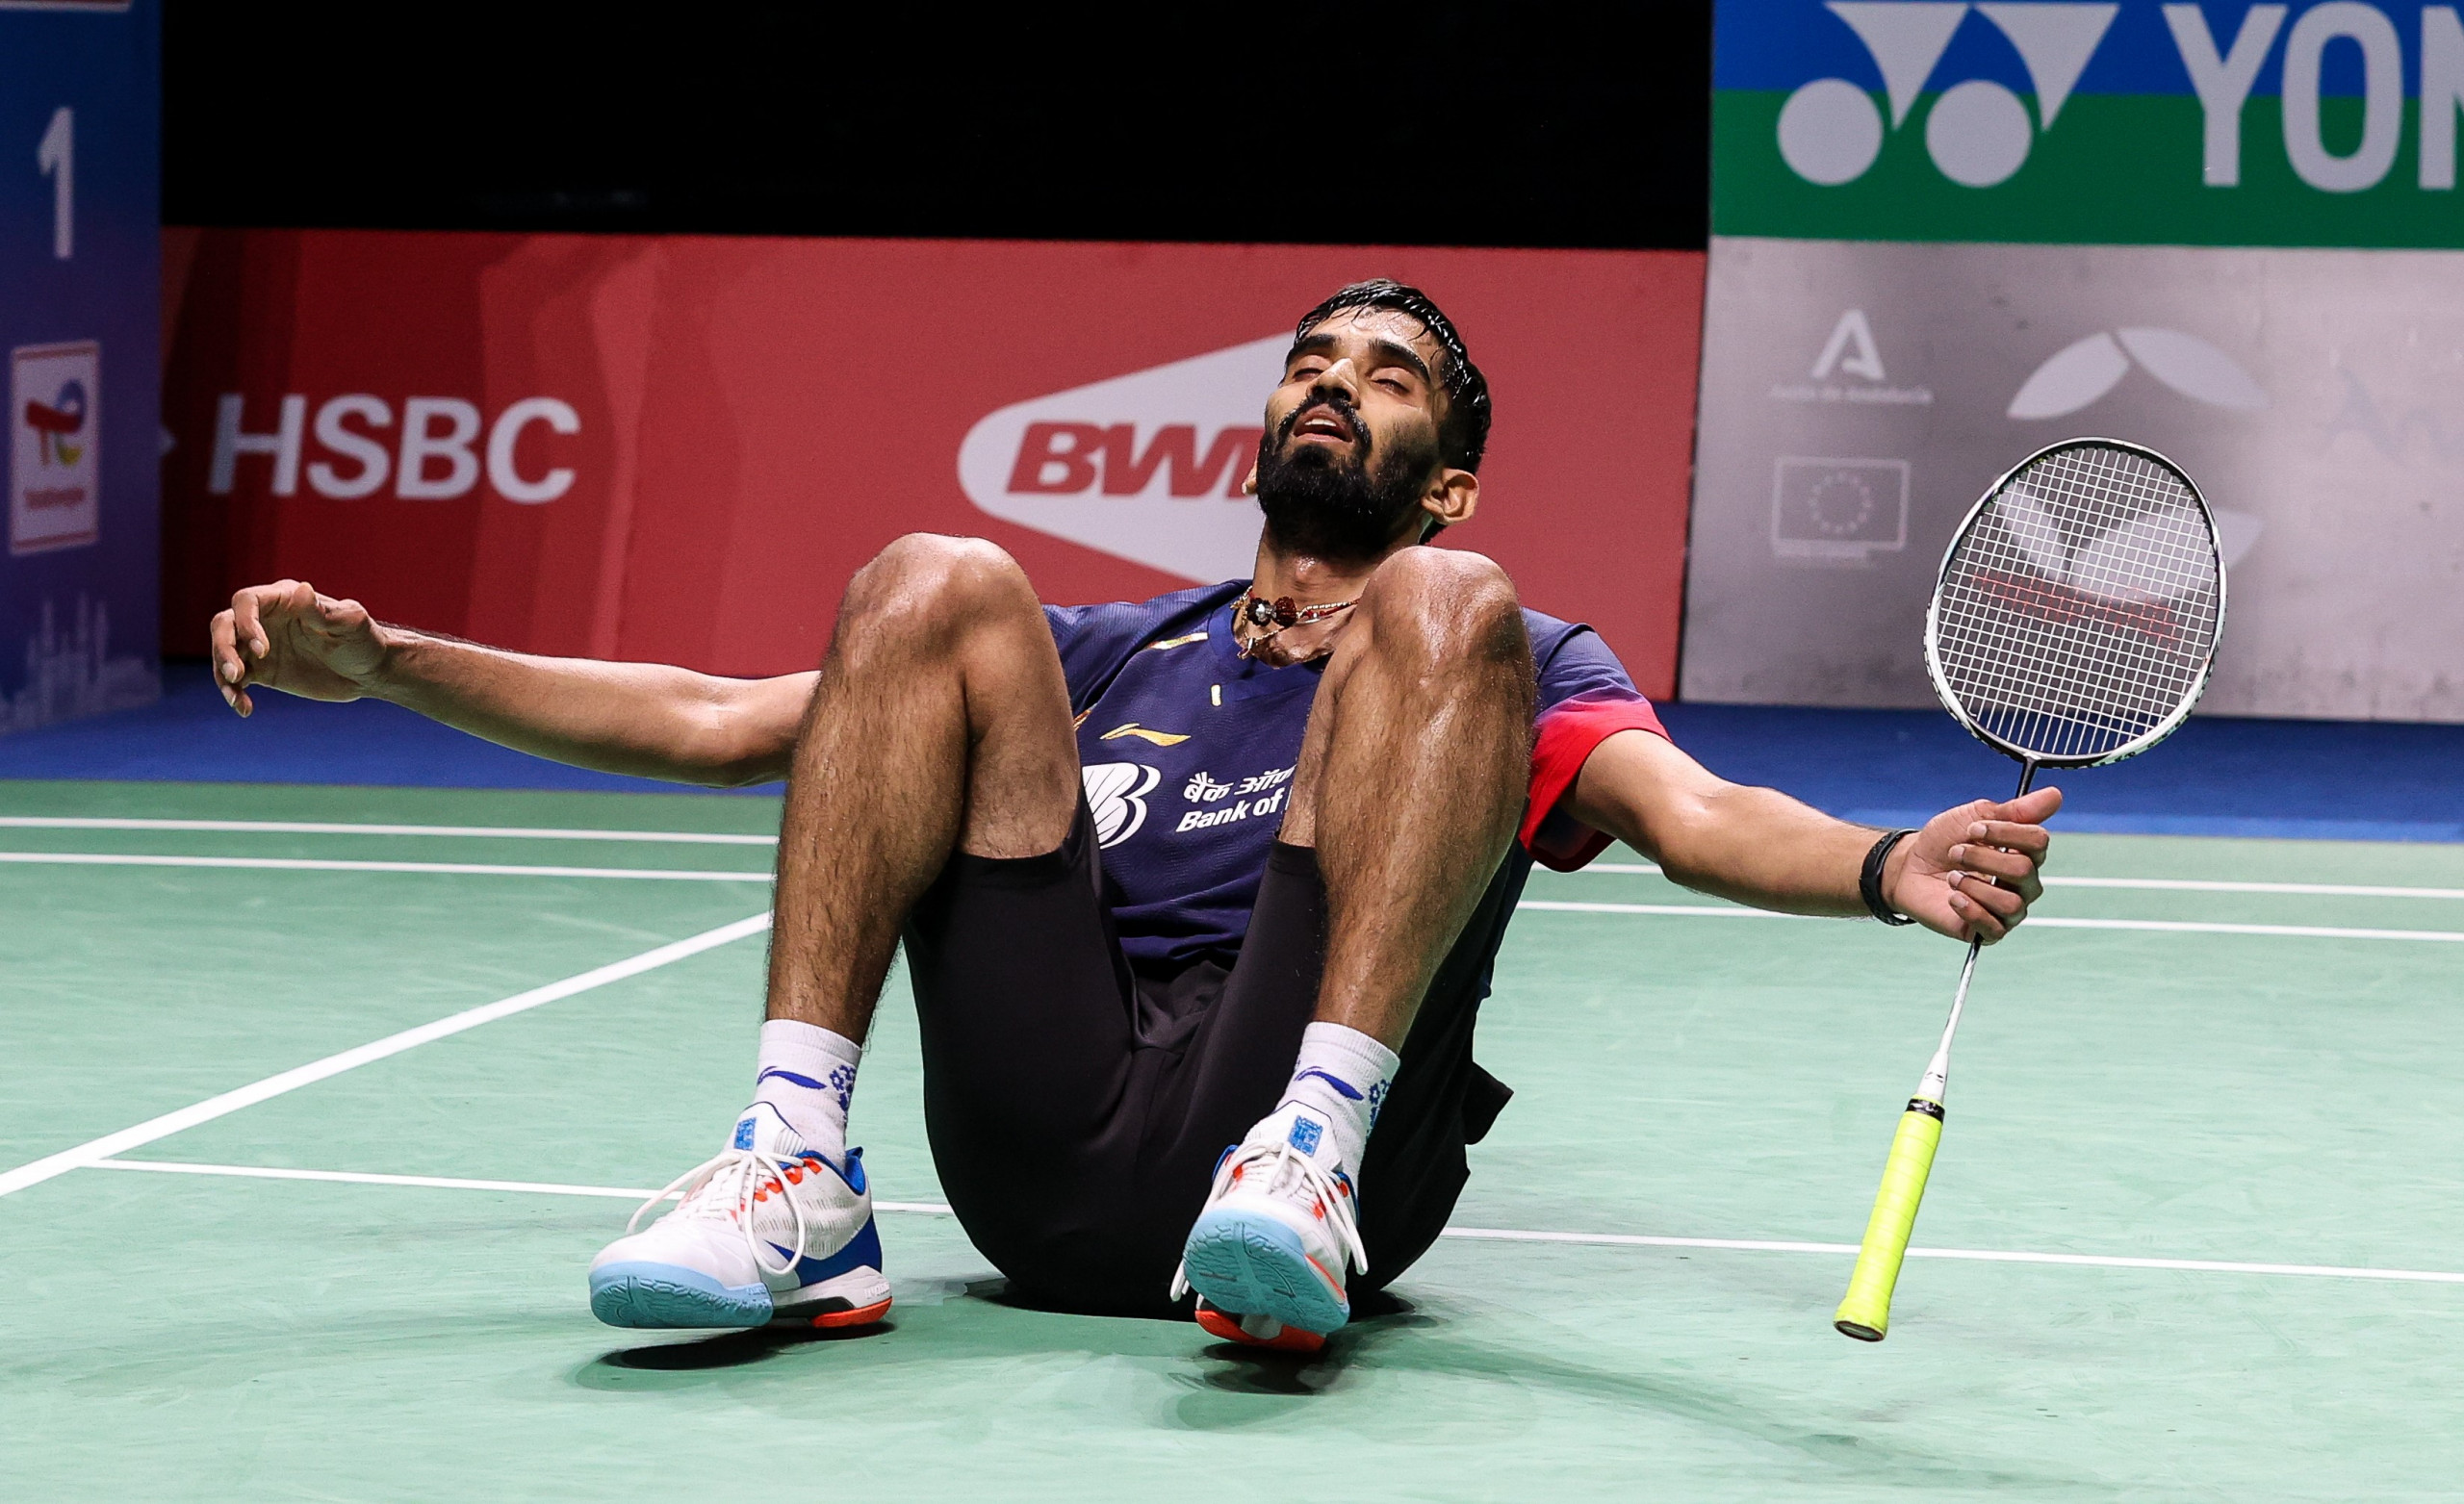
680	447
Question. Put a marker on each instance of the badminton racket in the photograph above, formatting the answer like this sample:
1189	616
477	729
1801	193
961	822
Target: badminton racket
2074	624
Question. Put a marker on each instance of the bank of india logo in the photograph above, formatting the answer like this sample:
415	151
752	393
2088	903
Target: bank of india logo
1837	511
55	393
2080	373
1978	132
1117	796
1146	467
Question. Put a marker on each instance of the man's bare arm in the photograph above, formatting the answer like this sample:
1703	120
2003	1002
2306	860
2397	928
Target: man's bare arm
648	719
1757	846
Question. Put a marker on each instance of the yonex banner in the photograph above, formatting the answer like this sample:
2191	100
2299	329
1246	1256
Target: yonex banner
680	447
1864	376
2331	123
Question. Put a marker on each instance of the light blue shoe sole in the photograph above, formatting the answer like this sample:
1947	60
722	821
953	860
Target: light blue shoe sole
668	1295
1254	1265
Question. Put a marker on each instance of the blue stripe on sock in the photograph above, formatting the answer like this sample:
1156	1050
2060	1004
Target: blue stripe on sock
1344	1087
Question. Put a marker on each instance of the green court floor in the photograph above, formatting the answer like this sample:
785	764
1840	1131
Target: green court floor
2268	1118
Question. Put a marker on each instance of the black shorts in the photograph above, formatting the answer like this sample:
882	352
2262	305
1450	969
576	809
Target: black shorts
1077	1109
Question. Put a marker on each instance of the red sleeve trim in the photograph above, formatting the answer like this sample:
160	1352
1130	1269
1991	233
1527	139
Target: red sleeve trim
1568	732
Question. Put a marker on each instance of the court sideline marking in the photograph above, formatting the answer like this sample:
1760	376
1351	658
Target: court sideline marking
468	869
1559	906
35	1172
2034	921
709	838
1618	869
1495	1234
344	827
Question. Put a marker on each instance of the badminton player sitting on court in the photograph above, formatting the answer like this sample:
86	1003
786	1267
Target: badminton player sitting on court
1200	895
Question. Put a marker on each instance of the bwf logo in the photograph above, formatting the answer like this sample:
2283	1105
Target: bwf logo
1145	467
1978	132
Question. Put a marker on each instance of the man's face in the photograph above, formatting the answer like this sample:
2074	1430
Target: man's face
1351	447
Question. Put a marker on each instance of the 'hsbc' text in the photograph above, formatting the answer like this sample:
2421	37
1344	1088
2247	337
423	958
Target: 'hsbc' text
437	457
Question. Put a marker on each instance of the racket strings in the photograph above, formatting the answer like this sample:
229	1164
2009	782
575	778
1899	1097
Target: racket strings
2080	610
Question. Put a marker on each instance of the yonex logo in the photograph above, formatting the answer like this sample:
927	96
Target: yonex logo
2080	373
1978	132
1147	466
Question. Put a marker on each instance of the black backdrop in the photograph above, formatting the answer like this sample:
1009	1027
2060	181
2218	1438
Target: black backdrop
1438	123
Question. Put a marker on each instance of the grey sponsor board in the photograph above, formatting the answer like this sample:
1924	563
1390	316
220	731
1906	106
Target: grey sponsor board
1857	396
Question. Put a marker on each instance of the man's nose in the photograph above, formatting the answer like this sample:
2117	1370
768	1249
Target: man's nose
1343	376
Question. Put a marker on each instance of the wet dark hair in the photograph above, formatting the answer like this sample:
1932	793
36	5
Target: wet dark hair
1464	434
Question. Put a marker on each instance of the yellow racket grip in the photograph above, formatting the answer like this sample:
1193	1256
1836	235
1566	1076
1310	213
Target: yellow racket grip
1866	1313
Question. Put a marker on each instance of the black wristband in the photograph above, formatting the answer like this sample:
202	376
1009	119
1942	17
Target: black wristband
1869	882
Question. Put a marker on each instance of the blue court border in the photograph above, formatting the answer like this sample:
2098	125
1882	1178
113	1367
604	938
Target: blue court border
2218	776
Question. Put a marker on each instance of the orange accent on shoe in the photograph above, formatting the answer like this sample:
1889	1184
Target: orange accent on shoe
862	1316
1291	1339
1333	1284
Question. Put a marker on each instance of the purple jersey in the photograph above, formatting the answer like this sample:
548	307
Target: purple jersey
1188	750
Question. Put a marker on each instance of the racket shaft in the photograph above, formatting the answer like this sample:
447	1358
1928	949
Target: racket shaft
1866	1313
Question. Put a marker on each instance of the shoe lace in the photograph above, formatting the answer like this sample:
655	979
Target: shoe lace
731	1182
1296	1176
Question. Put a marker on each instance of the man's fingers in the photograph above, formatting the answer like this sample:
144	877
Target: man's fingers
2033	807
1981	923
1991	860
2001	902
2032	840
223	652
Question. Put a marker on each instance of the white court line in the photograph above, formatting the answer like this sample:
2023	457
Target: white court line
706	838
39	1170
1475	1234
471	868
333	828
1559	906
2150	885
438	1181
2033	922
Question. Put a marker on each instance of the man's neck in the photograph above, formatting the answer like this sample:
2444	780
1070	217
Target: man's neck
1310	580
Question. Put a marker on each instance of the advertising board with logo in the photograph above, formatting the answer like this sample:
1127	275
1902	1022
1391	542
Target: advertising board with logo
681	448
1946	235
79	294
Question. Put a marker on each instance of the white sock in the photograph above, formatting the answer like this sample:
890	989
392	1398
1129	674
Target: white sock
808	1075
1341	1079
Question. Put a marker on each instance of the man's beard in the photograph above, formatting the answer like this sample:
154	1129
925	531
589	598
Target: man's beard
1334	505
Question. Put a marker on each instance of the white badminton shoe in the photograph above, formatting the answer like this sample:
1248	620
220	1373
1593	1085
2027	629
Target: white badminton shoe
769	1230
1278	1238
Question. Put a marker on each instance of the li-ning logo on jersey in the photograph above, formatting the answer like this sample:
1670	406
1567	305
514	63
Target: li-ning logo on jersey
1116	795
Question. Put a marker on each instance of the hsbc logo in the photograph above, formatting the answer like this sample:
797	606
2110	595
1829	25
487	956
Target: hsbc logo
436	453
1145	467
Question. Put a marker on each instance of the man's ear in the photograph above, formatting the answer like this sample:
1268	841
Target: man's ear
1454	499
1249	481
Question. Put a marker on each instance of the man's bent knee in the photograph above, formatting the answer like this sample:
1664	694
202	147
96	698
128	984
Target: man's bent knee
1450	599
927	591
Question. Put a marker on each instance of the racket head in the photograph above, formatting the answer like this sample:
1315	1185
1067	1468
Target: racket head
2075	618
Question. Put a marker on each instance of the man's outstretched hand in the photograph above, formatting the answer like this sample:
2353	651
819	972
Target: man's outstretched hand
288	637
1938	875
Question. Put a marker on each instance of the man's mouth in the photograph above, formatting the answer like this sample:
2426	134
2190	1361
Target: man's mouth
1323	421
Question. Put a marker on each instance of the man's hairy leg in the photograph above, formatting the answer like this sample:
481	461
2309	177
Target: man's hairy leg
941	723
1412	778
